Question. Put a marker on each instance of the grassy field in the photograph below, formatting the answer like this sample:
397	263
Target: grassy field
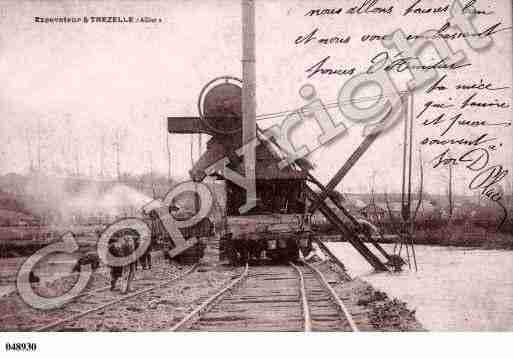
457	235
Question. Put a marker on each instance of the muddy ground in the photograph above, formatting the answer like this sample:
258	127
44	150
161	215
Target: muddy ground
158	310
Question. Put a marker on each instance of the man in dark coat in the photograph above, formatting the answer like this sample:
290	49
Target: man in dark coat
127	248
146	257
115	271
85	259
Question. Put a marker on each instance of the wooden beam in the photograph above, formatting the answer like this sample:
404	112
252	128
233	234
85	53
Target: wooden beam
348	234
186	124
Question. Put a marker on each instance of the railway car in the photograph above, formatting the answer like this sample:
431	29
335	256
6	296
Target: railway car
278	238
277	227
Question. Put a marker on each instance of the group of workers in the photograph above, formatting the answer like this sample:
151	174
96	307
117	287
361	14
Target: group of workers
123	246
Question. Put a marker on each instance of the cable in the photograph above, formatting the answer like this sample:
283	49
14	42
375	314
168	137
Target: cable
329	105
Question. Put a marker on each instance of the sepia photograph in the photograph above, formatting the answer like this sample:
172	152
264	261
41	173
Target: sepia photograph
255	166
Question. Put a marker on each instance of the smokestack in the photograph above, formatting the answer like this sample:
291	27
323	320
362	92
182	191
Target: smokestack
249	100
248	71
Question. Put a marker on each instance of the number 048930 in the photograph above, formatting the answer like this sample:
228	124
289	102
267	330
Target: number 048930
20	346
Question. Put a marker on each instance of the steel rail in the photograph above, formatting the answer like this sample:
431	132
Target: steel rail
89	292
334	296
118	300
307	320
208	304
155	255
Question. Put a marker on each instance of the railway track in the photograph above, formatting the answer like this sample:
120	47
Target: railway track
18	313
323	310
272	298
88	303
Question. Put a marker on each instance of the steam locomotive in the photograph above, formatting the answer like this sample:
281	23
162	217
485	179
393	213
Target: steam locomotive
276	228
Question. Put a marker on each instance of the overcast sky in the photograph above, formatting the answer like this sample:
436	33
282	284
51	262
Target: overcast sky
81	82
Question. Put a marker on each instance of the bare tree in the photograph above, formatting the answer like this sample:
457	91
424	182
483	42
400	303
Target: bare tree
373	183
117	149
102	157
448	179
76	152
152	179
450	194
168	157
28	139
39	145
70	149
395	223
119	136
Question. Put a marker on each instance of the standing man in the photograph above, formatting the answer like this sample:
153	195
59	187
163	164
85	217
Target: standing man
127	249
146	258
115	271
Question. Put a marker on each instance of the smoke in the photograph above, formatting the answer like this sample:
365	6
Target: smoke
62	201
119	200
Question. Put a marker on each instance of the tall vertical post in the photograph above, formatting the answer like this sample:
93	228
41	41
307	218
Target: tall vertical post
248	71
408	225
407	158
249	94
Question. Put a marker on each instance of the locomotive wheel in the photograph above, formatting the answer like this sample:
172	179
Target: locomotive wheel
222	250
233	256
293	256
283	256
229	252
191	255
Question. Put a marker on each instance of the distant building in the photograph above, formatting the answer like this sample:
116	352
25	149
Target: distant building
373	212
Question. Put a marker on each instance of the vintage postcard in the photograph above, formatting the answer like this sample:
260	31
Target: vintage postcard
255	166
